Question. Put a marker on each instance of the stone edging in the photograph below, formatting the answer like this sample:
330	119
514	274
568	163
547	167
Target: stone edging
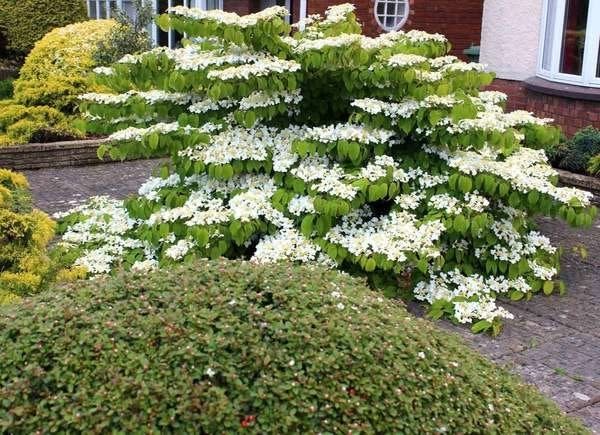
51	155
591	184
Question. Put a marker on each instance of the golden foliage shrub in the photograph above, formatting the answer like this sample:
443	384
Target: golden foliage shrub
56	70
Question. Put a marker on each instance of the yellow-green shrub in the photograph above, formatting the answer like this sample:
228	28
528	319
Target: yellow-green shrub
24	237
57	69
23	22
20	124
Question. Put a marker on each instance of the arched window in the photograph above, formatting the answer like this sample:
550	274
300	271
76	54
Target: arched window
391	14
570	42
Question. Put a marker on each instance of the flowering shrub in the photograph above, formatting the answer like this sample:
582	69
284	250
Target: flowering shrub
24	235
285	349
374	155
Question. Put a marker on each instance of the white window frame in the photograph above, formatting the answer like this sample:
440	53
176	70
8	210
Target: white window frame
95	5
591	48
381	21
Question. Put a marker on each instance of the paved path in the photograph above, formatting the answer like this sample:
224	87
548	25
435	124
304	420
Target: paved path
553	342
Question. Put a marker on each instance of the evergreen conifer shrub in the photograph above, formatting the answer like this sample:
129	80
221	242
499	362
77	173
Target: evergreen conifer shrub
379	156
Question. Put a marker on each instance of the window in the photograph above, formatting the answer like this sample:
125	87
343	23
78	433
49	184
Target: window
570	42
102	9
391	14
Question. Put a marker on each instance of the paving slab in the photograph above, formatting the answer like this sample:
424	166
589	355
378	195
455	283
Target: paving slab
553	342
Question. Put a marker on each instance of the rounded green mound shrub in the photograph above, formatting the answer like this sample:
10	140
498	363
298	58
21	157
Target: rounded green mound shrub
223	347
23	22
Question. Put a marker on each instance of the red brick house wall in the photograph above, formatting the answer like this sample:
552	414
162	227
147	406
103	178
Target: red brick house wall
571	114
459	20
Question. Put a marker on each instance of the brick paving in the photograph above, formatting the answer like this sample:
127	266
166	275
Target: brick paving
553	342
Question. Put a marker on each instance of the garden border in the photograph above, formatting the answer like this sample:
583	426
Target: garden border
51	155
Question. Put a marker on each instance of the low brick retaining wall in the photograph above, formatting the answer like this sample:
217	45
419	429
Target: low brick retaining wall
51	155
591	184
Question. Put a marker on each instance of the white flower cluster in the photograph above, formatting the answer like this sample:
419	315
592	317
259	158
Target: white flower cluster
410	201
301	204
261	68
337	13
209	105
325	177
463	67
379	168
288	245
180	249
526	170
492	97
405	60
150	97
344	40
257	144
393	235
192	59
265	99
103	226
350	132
439	62
516	246
136	134
451	285
405	109
104	70
229	18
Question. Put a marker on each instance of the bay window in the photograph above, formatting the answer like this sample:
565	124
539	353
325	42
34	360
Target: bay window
570	42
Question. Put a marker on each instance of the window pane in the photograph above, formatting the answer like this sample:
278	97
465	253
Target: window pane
573	39
212	4
598	67
549	35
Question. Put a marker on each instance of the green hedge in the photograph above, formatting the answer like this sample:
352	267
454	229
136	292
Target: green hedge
24	22
225	347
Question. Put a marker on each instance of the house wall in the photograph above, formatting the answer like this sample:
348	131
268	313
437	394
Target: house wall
460	20
510	37
571	114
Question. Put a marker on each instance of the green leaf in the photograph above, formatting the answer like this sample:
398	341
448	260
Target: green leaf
481	326
548	287
306	227
370	265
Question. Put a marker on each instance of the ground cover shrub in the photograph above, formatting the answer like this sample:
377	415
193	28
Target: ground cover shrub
378	156
228	347
56	70
128	36
23	22
21	124
24	236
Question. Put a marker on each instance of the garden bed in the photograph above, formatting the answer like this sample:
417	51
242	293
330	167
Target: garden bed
50	155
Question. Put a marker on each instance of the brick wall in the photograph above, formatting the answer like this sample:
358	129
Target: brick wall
460	20
571	114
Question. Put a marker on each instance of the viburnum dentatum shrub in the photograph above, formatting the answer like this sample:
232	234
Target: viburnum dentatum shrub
374	155
230	346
